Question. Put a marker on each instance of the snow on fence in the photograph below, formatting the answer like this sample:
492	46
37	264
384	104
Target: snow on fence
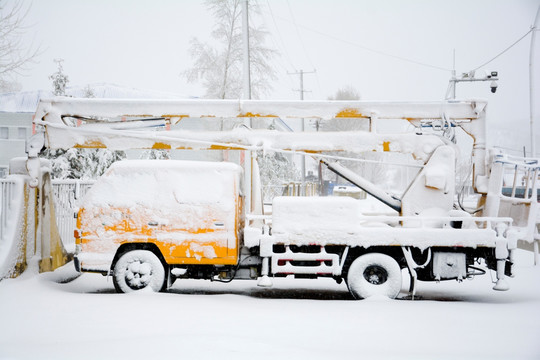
293	188
67	196
6	192
11	223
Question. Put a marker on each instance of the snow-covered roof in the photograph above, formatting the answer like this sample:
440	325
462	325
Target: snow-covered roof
27	101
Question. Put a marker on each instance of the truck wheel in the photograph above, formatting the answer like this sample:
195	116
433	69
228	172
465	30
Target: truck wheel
374	274
137	270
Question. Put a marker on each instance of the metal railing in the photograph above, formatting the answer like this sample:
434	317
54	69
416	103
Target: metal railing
524	174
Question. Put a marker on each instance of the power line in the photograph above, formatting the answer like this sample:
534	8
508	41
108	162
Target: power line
302	43
280	37
377	51
365	47
505	50
298	33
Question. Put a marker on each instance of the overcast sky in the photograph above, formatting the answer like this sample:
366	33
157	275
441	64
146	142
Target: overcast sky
144	44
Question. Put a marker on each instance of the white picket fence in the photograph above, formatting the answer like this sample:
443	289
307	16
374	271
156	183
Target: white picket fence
6	203
67	197
11	224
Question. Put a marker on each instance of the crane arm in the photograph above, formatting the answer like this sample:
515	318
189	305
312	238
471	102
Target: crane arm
119	124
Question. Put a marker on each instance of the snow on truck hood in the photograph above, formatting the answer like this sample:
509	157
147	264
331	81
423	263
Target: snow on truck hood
165	183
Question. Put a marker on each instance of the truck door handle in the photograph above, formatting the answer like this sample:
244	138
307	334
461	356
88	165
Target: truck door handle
153	223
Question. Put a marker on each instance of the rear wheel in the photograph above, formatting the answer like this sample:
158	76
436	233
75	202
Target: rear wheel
137	270
374	274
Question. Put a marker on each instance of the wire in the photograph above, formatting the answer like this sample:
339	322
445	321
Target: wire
505	50
298	33
366	48
303	46
280	37
380	52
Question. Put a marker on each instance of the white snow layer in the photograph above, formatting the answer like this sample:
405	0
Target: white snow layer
296	319
165	184
339	220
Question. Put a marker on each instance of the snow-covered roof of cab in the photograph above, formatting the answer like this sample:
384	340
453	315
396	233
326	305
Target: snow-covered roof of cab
163	184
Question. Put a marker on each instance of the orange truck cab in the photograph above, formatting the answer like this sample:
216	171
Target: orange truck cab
173	215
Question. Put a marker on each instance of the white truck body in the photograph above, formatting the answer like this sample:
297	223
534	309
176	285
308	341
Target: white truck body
313	237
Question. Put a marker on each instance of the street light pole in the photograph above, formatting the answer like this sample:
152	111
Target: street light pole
245	38
531	82
246	94
302	91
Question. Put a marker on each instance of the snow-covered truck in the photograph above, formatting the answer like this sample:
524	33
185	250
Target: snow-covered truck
149	223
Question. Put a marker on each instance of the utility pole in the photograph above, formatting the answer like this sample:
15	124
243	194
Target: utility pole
302	91
248	161
531	81
453	77
245	38
301	73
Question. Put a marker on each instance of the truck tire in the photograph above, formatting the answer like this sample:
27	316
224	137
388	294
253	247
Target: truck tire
137	270
374	274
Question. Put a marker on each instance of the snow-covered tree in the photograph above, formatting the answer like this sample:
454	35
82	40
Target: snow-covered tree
9	86
81	163
59	79
220	67
276	170
14	54
345	93
155	154
89	92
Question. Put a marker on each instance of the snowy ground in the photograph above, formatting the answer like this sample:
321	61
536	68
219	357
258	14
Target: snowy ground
297	319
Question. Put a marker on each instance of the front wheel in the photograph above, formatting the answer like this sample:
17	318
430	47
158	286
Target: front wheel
137	270
374	274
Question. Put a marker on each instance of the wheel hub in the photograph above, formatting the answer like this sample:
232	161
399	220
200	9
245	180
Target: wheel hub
138	274
375	275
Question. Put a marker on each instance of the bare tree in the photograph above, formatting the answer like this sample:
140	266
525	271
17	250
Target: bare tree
14	54
220	67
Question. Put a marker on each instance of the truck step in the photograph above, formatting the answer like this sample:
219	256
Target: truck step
321	263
